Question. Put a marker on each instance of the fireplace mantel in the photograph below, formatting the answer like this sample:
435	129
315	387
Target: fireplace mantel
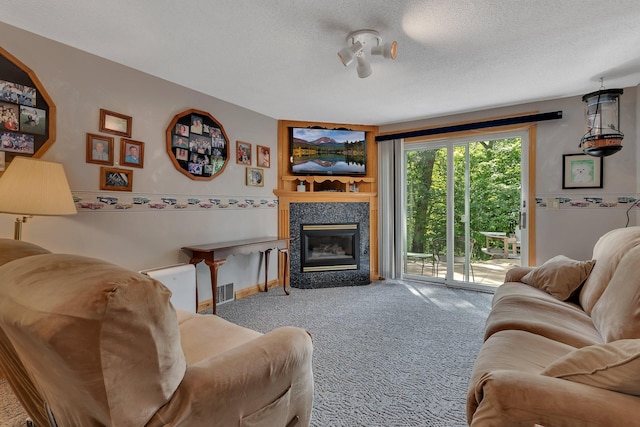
329	189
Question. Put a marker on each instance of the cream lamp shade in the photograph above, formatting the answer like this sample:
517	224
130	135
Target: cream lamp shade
32	187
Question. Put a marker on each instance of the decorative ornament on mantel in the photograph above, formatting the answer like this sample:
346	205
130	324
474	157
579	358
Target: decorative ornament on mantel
603	137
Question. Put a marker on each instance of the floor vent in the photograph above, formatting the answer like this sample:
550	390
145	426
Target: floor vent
225	293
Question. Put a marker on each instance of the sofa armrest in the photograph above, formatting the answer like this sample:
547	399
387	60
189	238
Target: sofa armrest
510	398
266	381
516	273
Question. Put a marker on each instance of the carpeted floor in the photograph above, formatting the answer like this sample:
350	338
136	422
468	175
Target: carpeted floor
388	354
11	412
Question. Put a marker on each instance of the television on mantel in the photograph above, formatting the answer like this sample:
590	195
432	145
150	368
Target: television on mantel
317	151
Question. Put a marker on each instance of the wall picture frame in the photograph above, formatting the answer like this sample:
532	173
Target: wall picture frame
116	179
255	177
131	153
264	156
99	149
28	112
115	123
243	153
581	171
197	145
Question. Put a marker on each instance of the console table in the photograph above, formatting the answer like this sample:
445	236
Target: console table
215	254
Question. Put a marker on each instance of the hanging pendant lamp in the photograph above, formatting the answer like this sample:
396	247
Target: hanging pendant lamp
603	137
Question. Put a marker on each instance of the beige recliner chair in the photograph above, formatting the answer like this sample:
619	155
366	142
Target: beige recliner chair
87	343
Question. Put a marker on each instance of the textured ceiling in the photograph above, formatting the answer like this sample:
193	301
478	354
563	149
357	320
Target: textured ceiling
278	57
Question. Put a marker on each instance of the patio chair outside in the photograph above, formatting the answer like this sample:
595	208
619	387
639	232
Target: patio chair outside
440	253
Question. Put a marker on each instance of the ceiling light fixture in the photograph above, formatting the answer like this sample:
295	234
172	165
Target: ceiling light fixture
603	137
357	42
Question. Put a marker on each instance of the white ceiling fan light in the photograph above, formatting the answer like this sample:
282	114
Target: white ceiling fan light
357	42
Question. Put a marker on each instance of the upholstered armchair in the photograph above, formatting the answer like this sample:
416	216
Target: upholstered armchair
87	343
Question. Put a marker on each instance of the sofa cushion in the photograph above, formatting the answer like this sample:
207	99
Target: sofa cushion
516	351
608	251
522	291
617	312
547	316
204	335
560	276
614	366
104	337
16	249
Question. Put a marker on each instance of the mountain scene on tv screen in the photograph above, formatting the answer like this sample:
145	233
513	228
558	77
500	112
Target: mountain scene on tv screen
328	151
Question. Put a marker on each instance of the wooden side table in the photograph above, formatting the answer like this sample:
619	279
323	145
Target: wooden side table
215	255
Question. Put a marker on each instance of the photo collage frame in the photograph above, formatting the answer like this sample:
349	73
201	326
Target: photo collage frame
24	113
197	145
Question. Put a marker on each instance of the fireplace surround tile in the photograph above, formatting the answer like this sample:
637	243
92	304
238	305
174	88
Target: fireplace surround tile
328	213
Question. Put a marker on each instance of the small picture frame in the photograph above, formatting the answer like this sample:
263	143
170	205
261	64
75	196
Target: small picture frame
115	123
581	171
115	179
243	153
99	149
255	177
131	153
264	156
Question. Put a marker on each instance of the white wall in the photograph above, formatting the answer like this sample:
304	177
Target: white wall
80	85
569	231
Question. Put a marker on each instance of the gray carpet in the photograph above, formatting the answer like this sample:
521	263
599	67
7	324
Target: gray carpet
386	354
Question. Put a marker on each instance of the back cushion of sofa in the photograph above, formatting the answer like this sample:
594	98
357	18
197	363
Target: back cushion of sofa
607	252
104	337
616	315
15	249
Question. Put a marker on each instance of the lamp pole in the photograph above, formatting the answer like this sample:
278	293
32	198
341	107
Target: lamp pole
17	230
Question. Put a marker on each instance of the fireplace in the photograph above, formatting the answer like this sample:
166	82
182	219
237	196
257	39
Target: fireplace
339	233
329	247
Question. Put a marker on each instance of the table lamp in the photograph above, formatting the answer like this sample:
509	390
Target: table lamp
31	187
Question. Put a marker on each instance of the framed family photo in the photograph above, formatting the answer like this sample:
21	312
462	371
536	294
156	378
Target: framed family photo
264	156
99	149
115	123
243	153
131	153
581	171
255	177
115	179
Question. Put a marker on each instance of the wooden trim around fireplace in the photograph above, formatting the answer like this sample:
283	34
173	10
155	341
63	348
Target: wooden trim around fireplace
323	189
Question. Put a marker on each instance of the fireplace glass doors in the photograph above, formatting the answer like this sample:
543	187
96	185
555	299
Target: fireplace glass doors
328	247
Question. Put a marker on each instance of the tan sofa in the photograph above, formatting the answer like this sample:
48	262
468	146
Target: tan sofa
560	350
88	343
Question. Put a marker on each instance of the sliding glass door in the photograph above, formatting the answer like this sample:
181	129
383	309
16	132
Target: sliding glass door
463	209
